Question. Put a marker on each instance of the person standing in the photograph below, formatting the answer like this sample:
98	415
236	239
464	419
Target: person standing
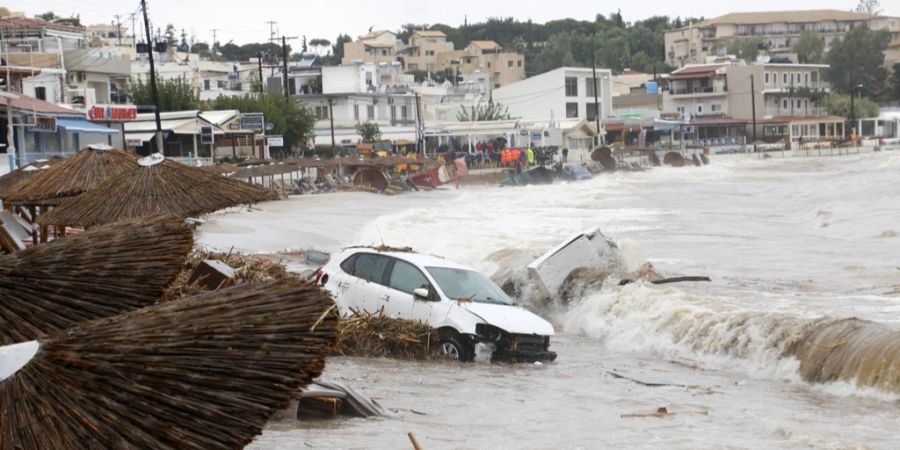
530	156
565	155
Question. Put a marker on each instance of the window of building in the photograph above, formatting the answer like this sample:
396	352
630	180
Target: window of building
715	108
767	78
509	63
404	112
590	111
699	109
519	63
798	103
680	110
571	110
430	67
413	67
393	112
571	87
205	85
370	112
784	78
489	65
368	78
356	113
321	112
429	52
40	93
589	85
784	104
815	77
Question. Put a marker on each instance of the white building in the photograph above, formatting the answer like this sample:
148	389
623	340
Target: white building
564	93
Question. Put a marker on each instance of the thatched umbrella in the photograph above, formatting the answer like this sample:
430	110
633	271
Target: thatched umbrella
9	181
201	373
157	186
91	275
76	174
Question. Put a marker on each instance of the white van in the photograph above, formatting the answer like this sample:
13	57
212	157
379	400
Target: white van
467	308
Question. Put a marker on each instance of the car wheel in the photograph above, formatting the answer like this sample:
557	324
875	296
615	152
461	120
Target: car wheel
455	349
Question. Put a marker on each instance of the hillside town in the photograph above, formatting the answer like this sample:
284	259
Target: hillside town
726	84
597	231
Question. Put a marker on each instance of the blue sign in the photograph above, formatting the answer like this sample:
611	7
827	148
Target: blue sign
536	136
652	87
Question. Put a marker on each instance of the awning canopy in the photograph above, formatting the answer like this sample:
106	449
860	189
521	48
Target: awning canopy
83	126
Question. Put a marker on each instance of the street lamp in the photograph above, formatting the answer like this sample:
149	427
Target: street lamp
853	90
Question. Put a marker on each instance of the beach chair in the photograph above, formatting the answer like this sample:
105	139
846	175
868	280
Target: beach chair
11	238
11	216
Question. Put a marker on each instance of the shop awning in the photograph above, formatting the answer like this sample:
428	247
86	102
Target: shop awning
83	126
139	137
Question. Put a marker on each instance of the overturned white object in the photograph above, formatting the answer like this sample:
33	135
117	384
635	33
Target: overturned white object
151	160
590	249
101	147
16	356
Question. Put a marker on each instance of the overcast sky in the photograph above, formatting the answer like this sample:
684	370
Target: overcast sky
245	21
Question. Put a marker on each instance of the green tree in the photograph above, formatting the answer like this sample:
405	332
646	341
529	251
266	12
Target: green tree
174	95
872	7
745	48
337	51
49	16
810	48
369	131
169	36
856	62
483	113
894	86
839	105
287	116
320	45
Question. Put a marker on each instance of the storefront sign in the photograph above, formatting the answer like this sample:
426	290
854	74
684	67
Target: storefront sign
43	125
112	113
275	141
252	121
206	135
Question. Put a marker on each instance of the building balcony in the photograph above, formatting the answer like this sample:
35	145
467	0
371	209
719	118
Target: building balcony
698	92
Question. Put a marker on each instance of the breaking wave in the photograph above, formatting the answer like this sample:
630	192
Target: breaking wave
678	325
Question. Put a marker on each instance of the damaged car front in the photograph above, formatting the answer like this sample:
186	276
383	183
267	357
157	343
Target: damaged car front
493	323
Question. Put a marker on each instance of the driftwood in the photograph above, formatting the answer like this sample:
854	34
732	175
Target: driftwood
374	335
670	280
413	441
88	276
201	373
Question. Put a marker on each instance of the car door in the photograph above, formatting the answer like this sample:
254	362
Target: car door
367	287
403	280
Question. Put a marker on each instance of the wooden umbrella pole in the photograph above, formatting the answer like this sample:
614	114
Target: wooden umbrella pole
34	225
45	230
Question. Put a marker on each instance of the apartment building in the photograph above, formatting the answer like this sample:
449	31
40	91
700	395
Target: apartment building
718	100
777	30
374	47
564	93
486	57
430	51
423	50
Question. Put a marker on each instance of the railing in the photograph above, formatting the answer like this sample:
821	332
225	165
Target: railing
191	161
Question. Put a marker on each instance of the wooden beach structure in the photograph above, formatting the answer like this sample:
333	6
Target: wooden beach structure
69	178
201	373
91	275
155	186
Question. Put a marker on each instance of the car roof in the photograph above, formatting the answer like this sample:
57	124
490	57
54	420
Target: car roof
418	259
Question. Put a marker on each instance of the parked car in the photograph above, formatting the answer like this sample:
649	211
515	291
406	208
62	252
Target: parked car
467	308
576	172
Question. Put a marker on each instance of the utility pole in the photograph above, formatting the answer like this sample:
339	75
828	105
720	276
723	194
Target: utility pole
331	118
133	31
271	30
214	30
596	88
119	28
284	55
10	135
753	107
153	91
419	136
262	88
852	105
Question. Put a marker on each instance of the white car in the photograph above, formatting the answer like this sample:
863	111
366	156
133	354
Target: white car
467	308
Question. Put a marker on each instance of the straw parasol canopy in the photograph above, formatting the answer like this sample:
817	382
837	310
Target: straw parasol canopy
90	275
201	373
156	186
9	181
76	174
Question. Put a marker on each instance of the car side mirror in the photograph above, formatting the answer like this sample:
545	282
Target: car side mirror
422	294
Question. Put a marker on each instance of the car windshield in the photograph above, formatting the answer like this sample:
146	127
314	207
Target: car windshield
468	285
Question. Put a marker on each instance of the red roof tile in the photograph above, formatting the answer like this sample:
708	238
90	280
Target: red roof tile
25	22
